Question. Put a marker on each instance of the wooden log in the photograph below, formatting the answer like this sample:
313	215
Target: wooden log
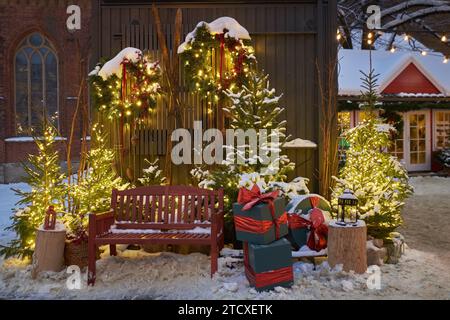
347	246
49	250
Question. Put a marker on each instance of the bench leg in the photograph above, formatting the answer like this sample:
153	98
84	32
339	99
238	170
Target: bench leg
214	257
91	262
112	250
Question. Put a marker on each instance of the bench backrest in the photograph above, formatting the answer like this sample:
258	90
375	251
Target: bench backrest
166	204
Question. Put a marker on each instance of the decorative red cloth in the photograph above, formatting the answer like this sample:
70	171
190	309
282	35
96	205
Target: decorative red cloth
317	239
221	38
249	199
124	78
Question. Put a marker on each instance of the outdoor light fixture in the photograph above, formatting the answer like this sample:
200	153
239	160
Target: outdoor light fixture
347	206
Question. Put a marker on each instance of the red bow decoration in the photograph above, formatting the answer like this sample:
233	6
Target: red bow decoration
249	199
317	239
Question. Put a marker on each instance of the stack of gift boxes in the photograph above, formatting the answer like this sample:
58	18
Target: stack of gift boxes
261	223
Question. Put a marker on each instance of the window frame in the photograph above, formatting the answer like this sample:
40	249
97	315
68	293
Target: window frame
434	127
26	43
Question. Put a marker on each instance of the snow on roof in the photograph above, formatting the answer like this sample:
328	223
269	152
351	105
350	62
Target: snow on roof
389	65
235	30
114	66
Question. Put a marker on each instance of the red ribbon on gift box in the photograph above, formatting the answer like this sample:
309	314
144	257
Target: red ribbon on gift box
264	279
247	224
249	199
317	239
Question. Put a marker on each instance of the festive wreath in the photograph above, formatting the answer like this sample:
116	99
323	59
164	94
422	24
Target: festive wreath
126	86
215	58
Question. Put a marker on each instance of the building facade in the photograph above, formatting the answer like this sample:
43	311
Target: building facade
41	65
414	93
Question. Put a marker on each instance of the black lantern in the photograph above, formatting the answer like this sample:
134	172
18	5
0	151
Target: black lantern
347	206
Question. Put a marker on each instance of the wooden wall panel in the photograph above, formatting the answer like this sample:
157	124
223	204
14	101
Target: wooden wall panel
289	37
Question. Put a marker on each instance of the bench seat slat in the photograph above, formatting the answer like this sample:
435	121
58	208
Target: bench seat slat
149	225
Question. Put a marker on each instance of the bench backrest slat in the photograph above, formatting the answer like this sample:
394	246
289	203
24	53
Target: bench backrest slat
166	204
192	213
147	208
141	208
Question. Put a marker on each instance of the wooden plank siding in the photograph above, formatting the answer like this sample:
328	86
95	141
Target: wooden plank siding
288	36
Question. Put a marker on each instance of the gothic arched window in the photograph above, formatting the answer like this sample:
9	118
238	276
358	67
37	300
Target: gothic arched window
36	83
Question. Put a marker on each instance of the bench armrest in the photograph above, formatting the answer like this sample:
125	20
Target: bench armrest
100	223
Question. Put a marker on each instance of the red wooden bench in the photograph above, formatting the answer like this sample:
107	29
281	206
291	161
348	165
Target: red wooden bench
159	215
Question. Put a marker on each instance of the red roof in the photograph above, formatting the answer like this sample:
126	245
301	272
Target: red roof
411	80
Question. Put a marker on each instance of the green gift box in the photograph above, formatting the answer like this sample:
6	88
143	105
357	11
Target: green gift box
259	215
270	265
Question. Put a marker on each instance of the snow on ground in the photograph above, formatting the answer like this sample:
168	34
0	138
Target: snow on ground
7	201
422	273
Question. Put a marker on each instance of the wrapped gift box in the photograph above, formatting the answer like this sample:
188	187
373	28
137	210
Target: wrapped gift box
262	228
301	206
268	266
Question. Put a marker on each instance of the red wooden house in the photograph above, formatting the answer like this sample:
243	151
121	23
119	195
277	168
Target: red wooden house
414	91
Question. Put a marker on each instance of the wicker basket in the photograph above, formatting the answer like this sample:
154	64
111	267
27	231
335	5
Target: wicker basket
76	253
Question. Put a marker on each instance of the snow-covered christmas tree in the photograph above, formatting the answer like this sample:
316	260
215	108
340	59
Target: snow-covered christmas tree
254	106
378	180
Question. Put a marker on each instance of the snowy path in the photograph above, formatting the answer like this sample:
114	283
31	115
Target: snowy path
427	216
423	272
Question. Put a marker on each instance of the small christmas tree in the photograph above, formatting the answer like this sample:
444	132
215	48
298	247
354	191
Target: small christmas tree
152	175
92	193
377	179
47	188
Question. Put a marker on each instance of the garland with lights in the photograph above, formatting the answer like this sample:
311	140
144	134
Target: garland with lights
209	76
133	95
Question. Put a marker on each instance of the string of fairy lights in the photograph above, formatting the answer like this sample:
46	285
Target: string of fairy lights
405	38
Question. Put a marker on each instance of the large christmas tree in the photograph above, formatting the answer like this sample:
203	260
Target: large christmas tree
47	188
254	106
378	179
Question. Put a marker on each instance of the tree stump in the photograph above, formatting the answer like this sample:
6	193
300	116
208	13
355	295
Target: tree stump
347	246
49	250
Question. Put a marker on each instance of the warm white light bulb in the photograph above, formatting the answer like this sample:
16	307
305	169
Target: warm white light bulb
424	53
444	38
392	49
